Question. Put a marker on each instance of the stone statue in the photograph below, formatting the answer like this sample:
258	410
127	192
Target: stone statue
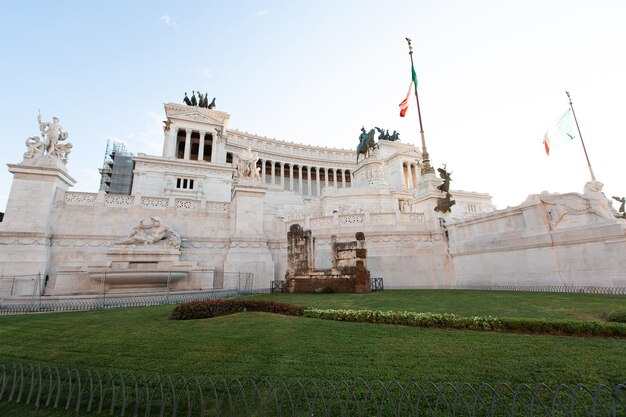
151	232
592	201
211	106
167	125
246	165
35	147
384	135
366	143
444	205
52	133
186	100
446	177
621	207
62	151
194	102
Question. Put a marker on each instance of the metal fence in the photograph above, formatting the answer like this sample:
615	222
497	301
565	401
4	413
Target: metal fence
241	284
377	284
133	394
577	289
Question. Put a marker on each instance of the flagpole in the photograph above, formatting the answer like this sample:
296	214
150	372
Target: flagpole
593	177
426	167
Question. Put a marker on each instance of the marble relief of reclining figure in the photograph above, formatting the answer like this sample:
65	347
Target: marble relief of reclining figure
151	232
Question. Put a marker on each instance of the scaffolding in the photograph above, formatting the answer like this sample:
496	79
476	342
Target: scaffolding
117	169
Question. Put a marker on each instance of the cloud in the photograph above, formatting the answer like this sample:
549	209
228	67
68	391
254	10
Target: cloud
261	13
169	21
149	140
207	73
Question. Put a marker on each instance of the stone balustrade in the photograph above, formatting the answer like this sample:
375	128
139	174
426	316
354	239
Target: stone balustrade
149	202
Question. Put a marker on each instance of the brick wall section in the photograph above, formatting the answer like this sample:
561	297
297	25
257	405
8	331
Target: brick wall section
349	264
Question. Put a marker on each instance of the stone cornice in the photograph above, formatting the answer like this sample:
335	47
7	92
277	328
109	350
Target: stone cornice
194	113
283	149
173	164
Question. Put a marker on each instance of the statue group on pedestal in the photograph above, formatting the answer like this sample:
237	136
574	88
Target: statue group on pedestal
444	205
246	165
201	101
49	144
366	143
151	232
384	135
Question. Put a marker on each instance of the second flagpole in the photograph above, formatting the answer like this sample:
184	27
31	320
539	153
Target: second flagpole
426	167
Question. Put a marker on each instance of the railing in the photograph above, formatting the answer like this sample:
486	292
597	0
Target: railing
376	284
572	289
239	283
43	305
134	394
279	286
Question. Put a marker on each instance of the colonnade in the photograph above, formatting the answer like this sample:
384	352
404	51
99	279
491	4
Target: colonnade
304	179
195	145
410	175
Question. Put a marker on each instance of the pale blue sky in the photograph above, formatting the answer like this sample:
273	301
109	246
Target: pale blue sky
492	76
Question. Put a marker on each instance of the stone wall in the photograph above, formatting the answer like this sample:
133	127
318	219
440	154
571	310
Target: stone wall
349	268
522	246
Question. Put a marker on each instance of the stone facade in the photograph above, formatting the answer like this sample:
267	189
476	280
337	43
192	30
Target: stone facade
235	218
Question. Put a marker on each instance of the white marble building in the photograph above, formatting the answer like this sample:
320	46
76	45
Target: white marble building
213	214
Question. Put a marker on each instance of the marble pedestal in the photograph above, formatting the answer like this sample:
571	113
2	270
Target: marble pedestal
248	251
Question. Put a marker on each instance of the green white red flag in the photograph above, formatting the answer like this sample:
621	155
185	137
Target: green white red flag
561	130
404	106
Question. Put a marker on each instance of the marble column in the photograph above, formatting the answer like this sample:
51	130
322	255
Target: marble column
263	171
335	177
414	174
308	171
282	175
273	171
318	180
201	146
169	144
290	177
300	179
187	154
326	178
409	176
343	178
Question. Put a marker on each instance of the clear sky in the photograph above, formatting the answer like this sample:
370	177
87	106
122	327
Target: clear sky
492	77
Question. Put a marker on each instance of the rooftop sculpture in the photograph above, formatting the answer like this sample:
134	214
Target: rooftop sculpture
52	134
366	143
201	101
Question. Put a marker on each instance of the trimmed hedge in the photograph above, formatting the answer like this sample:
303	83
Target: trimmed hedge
215	308
407	318
617	316
484	323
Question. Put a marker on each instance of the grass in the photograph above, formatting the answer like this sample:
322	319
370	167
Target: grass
467	303
260	344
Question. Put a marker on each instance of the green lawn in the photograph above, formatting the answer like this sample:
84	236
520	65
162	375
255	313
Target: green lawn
259	344
467	303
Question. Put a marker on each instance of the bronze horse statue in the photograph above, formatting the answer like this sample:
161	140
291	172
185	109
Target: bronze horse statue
366	143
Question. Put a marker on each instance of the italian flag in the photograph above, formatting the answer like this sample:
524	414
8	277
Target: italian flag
562	130
404	106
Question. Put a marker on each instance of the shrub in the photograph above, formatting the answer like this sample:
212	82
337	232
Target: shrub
407	318
323	290
617	316
484	323
216	308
